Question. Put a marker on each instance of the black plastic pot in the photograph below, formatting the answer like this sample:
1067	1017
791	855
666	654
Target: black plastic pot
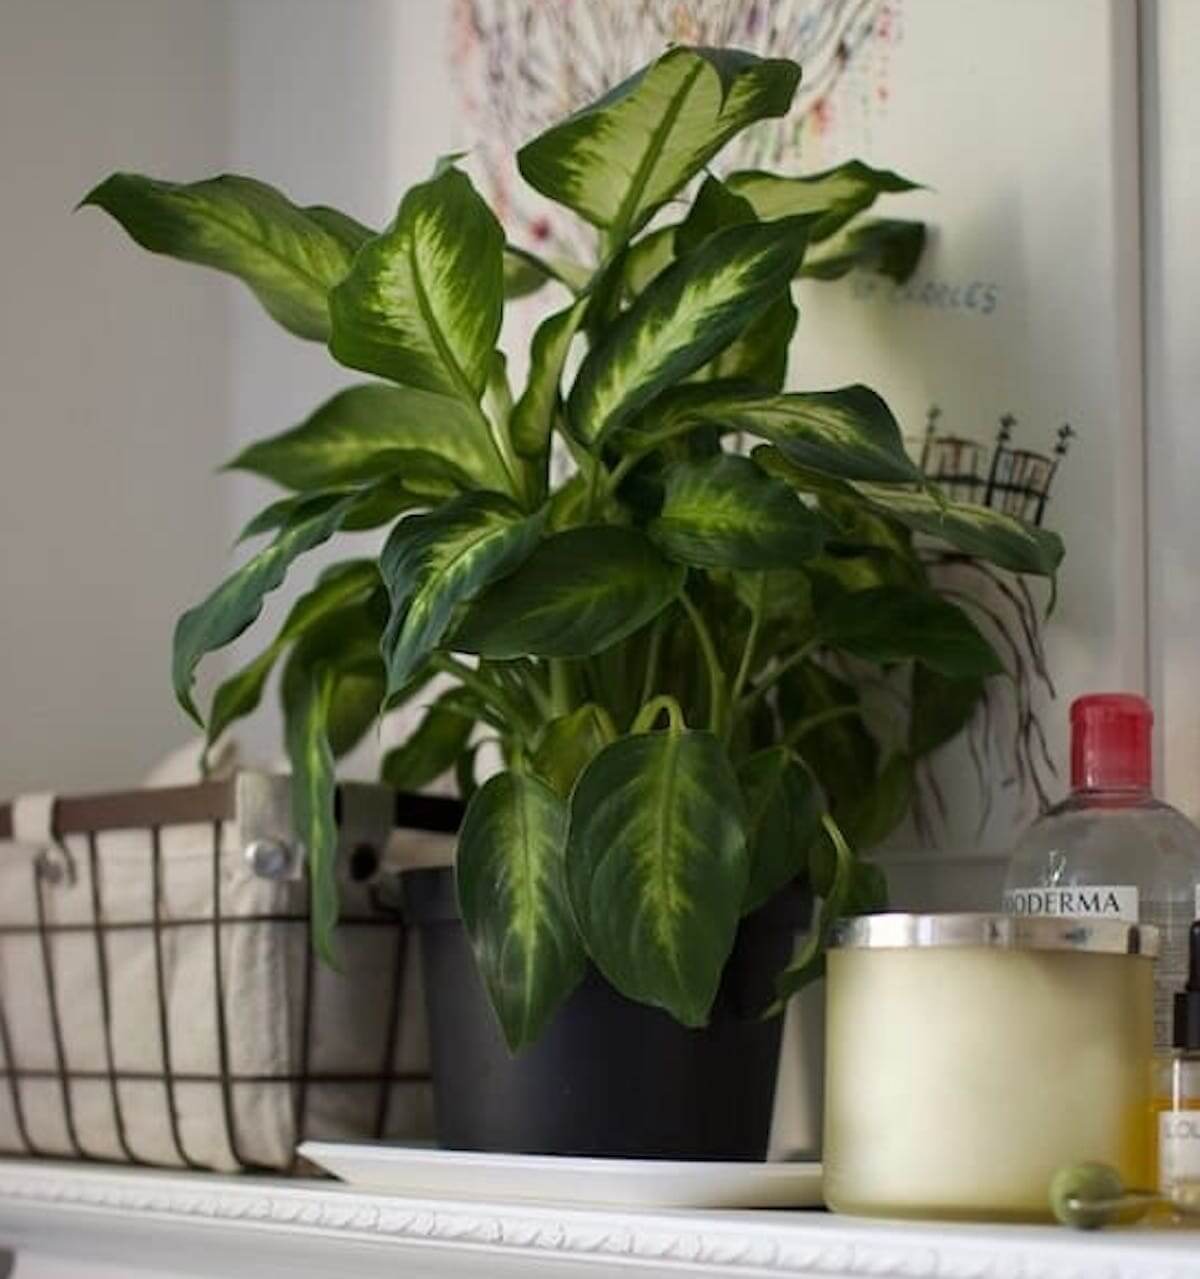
609	1077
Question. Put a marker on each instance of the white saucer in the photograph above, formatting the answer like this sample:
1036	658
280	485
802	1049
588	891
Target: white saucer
424	1173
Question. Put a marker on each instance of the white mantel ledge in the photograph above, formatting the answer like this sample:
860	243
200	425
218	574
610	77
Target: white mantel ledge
191	1224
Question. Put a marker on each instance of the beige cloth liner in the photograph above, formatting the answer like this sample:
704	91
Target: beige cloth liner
262	966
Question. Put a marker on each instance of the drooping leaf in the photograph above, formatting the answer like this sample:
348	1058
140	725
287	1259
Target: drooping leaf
423	303
991	535
941	708
431	748
884	805
526	272
617	161
512	893
354	436
307	694
418	480
350	231
890	247
892	623
339	586
657	867
287	255
345	642
692	311
836	196
234	605
725	512
355	704
849	433
809	964
839	749
432	563
578	593
569	743
783	810
533	416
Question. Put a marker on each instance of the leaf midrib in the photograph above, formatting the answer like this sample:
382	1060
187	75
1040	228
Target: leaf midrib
664	827
658	141
458	376
265	248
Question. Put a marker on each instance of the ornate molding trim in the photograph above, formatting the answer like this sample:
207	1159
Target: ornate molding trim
731	1244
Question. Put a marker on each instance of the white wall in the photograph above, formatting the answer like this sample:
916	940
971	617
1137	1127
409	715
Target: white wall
1171	129
345	104
114	376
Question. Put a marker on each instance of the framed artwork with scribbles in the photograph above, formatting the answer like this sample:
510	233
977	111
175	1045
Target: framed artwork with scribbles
1011	357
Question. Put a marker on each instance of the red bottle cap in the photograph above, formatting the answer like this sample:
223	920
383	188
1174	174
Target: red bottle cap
1110	742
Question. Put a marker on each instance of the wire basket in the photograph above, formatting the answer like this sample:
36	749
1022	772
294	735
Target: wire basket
160	1000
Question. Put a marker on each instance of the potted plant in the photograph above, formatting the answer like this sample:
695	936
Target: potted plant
648	640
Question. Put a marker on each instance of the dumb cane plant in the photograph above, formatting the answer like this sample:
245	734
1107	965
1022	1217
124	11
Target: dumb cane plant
653	641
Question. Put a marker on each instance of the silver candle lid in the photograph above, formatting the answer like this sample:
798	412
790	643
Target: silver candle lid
1004	932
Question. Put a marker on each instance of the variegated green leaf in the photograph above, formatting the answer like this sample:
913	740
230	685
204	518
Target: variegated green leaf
433	563
848	433
339	586
431	748
759	355
569	743
725	512
895	623
356	704
616	161
886	246
307	695
690	313
578	593
350	231
783	810
714	208
423	302
347	643
351	439
231	608
836	195
646	258
657	867
418	480
512	893
533	416
976	530
288	256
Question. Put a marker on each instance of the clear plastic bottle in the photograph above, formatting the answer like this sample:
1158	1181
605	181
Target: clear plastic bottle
1110	848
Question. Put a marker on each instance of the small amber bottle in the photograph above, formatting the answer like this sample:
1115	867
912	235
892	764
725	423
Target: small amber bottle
1176	1131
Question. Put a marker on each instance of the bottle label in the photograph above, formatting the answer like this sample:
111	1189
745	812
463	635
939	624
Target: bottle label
1178	1147
1107	901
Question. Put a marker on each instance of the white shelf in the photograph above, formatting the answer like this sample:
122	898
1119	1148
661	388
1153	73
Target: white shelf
64	1220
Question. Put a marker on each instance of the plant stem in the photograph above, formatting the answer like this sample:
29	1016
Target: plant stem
646	444
804	726
560	687
651	711
651	678
716	676
485	689
773	678
743	671
509	463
